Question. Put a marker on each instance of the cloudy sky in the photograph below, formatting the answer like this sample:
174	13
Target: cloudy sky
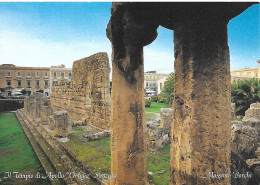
46	34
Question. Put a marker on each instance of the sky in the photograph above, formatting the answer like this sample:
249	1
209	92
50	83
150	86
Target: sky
47	34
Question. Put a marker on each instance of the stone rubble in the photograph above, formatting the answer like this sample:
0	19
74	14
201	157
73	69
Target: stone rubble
245	146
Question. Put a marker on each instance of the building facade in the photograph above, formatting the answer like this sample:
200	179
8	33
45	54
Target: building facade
246	73
58	73
154	81
14	78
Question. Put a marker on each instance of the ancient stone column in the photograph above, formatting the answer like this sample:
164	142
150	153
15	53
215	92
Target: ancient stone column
128	149
200	145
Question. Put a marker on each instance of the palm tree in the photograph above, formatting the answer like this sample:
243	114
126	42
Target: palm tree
244	93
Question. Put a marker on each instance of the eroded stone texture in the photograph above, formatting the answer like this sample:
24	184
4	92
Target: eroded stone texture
245	150
158	130
253	111
244	142
62	125
45	110
201	125
128	33
157	137
96	135
201	128
87	96
32	105
166	118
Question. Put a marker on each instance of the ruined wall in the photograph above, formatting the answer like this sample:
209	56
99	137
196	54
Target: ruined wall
86	97
39	109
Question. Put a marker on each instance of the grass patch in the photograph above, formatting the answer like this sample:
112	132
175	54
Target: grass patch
16	154
156	107
96	154
157	162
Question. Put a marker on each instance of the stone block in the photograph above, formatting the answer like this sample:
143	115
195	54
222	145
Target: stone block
62	125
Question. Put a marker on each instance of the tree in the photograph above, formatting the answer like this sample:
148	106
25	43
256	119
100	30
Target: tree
244	93
167	93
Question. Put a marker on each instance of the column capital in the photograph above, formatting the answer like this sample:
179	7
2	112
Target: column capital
131	24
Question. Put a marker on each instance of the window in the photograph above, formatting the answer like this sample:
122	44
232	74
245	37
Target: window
256	75
28	74
19	83
69	74
8	73
28	83
37	83
46	74
8	83
146	84
46	82
150	77
37	74
18	74
54	74
62	74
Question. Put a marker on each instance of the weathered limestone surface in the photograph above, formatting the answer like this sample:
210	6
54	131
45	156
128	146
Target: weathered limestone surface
233	111
166	118
157	137
62	125
201	126
97	135
244	140
252	117
158	130
128	34
245	147
86	97
32	105
45	110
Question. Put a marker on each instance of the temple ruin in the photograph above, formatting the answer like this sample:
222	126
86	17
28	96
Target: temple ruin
200	132
86	97
198	127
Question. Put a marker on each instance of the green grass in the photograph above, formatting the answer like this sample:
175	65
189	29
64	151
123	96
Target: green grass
156	107
16	154
159	161
96	154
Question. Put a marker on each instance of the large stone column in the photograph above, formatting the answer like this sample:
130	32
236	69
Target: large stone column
128	149
201	127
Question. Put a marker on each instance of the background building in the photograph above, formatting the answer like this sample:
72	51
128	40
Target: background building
246	73
154	81
14	78
58	73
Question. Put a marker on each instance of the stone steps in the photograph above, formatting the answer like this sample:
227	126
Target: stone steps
41	155
61	155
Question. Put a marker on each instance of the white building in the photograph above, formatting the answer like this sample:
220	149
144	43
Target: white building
154	81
